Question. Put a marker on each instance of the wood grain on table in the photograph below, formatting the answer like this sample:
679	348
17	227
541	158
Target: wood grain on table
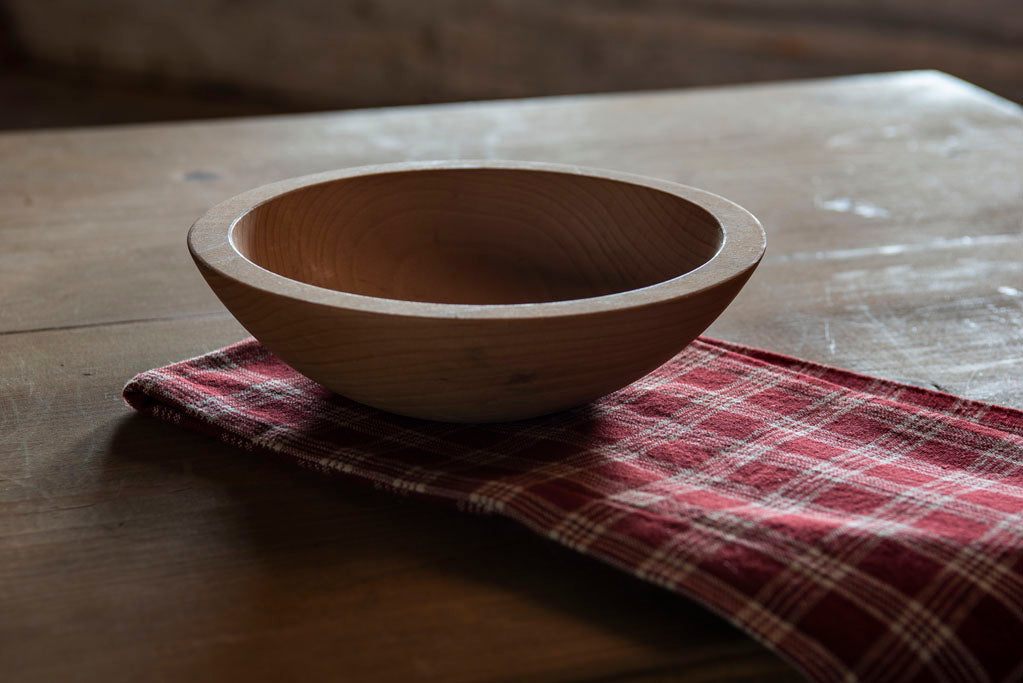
132	550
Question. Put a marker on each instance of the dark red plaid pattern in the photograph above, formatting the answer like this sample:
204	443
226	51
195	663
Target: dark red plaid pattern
861	528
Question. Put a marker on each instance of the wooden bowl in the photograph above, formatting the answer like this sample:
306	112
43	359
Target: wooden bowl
476	291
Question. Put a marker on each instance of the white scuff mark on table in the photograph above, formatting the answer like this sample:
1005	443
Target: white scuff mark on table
896	342
847	205
988	365
869	210
969	382
888	249
1005	315
842	204
828	338
1009	291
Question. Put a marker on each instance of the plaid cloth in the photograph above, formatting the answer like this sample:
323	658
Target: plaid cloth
861	528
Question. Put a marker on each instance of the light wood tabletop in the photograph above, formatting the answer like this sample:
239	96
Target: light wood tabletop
132	550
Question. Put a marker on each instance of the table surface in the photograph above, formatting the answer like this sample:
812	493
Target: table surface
131	549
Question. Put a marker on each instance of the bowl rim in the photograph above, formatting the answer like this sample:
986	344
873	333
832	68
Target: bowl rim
743	243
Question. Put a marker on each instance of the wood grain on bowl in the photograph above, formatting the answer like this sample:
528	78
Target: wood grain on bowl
466	291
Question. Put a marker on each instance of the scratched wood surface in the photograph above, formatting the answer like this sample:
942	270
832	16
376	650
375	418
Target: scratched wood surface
132	550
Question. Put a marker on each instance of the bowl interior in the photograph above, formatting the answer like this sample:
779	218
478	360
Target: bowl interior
478	236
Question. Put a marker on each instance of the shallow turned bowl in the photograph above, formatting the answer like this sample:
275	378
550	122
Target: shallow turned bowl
476	291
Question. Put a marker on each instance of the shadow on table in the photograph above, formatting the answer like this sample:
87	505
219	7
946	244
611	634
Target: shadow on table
321	558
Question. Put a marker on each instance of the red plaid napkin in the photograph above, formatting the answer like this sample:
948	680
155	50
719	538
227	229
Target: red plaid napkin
860	528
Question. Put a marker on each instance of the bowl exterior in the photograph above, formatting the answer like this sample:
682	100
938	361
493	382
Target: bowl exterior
472	369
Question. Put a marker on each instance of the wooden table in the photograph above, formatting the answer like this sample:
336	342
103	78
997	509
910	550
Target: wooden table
132	550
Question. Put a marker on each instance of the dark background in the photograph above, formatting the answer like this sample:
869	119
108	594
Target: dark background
72	62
